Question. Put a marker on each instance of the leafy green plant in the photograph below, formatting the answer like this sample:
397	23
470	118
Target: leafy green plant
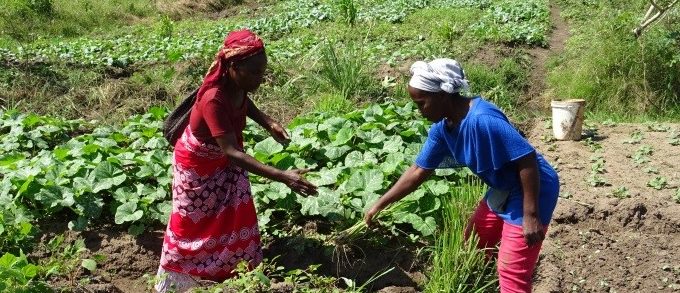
642	154
658	183
67	258
597	166
676	197
621	192
15	234
658	127
596	180
593	145
635	138
516	22
17	274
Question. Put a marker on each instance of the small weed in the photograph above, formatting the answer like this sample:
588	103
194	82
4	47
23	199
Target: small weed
641	155
596	180
674	138
598	165
609	123
651	170
547	138
589	129
658	127
547	125
621	192
658	183
635	138
676	197
566	195
593	145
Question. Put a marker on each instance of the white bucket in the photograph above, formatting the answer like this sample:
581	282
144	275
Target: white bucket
567	119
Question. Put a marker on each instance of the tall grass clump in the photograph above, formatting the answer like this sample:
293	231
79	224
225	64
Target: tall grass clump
503	84
344	71
458	266
348	11
615	72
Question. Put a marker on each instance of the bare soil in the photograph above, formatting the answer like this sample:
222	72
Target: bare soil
132	261
600	242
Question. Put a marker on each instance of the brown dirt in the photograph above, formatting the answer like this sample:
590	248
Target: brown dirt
215	9
129	258
598	242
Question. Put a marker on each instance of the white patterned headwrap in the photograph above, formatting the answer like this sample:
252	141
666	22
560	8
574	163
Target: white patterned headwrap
438	75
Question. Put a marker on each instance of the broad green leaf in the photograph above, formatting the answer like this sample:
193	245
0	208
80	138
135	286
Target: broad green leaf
392	162
128	212
277	190
151	170
106	176
164	209
268	147
354	159
9	159
438	187
375	136
29	271
415	195
156	143
334	153
89	264
373	180
106	143
393	145
426	227
136	230
343	136
324	177
366	180
78	224
327	202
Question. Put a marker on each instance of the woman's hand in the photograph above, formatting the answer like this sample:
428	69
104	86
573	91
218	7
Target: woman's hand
294	180
372	212
533	230
278	132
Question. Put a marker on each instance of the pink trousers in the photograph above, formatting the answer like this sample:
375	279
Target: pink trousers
516	260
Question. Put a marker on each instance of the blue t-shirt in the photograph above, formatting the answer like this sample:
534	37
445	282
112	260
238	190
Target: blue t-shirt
489	146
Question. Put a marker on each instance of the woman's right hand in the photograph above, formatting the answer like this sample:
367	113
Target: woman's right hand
296	182
372	212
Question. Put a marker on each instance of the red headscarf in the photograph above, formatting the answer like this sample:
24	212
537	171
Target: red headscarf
238	45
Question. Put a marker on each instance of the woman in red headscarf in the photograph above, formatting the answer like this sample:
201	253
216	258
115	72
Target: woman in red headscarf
213	225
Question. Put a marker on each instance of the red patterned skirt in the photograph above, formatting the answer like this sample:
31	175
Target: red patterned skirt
213	225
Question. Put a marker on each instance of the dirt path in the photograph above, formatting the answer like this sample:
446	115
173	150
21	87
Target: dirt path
538	98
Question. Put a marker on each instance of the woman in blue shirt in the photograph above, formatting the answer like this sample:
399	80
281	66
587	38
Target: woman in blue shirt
523	187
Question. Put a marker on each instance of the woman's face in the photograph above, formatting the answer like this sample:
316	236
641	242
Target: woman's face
429	104
248	73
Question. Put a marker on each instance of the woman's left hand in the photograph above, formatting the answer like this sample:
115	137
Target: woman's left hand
533	230
278	132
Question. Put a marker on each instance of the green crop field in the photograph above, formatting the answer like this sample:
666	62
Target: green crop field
85	190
